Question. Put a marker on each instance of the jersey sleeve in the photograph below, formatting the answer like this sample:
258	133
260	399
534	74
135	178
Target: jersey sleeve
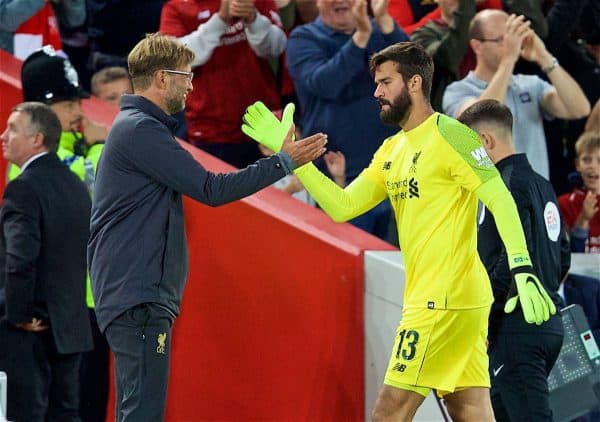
470	166
475	171
496	197
364	193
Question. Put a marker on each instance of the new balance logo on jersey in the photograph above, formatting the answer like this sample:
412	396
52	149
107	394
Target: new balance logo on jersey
481	157
387	165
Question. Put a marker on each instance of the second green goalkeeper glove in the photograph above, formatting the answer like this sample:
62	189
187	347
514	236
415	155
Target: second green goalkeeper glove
527	290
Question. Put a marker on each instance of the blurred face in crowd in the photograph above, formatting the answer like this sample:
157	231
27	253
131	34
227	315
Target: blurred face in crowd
111	92
447	7
588	165
337	14
392	94
179	86
489	49
69	113
19	142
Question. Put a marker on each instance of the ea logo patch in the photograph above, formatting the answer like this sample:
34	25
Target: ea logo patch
552	220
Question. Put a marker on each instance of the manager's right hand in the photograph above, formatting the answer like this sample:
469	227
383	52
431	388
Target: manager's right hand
305	150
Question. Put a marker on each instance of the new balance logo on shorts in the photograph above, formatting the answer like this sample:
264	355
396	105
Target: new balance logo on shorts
400	367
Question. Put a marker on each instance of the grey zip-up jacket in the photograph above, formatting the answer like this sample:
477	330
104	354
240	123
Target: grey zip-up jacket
137	252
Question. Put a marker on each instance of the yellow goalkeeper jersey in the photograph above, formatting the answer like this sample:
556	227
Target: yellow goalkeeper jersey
430	174
433	175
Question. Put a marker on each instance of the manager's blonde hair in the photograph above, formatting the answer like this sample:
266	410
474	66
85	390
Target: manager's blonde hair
156	52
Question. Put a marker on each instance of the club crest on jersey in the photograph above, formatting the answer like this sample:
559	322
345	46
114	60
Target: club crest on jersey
413	167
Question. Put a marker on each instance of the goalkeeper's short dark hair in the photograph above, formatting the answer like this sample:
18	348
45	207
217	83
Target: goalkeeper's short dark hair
487	111
411	59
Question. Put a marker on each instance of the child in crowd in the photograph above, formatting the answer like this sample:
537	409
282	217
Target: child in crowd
580	208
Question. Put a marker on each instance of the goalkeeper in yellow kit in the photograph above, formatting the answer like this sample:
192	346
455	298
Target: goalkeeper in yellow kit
433	172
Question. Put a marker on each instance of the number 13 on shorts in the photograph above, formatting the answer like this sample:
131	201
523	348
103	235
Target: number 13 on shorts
405	348
409	350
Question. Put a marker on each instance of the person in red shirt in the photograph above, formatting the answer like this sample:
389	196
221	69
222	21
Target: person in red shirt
581	208
233	41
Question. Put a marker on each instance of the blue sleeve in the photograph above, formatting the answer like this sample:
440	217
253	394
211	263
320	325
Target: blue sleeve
323	75
578	238
379	40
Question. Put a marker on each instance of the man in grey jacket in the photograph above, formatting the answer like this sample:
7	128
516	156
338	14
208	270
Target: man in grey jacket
137	251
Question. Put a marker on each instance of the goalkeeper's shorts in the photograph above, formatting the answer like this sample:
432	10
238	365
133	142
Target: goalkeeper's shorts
441	349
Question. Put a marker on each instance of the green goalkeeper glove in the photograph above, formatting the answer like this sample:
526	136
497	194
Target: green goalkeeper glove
527	290
261	125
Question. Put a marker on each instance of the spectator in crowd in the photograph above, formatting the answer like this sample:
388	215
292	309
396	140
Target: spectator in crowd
340	103
48	78
115	26
447	41
137	252
27	25
237	35
517	350
581	207
293	13
498	41
570	41
44	223
408	14
110	83
433	170
412	15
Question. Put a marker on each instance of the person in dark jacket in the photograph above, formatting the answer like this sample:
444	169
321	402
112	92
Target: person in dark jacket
521	355
44	228
137	252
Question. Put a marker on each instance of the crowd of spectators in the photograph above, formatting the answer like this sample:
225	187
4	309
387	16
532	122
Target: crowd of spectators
540	58
314	53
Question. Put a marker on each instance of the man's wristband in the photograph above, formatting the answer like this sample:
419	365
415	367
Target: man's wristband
553	65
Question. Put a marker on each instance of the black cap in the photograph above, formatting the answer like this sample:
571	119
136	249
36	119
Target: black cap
47	77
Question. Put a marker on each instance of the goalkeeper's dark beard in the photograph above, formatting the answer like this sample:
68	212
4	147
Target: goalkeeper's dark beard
399	109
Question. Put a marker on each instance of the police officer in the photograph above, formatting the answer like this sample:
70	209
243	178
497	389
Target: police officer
521	355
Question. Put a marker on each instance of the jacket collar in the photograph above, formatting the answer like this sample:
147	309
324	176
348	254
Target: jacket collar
41	160
129	101
512	160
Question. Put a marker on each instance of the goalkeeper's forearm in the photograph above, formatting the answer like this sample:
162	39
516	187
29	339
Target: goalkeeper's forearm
501	204
340	204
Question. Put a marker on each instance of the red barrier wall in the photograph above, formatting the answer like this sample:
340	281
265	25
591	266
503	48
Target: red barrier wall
271	327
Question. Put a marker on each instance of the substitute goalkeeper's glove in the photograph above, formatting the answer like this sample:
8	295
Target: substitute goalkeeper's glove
261	125
527	290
